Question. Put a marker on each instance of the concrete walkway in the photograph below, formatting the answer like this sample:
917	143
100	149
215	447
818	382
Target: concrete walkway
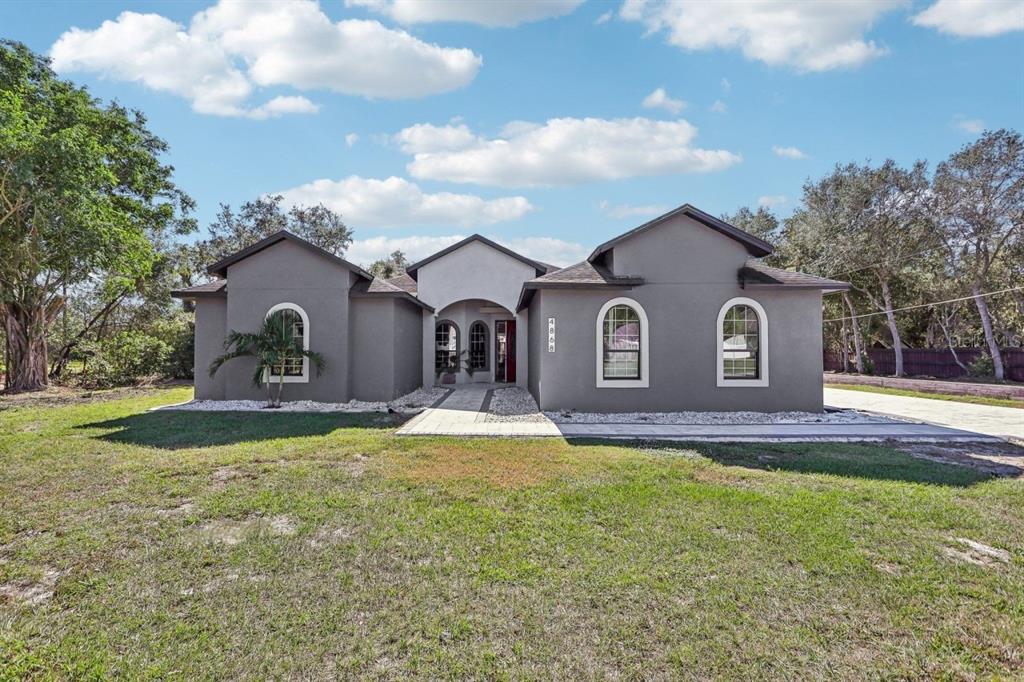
1001	422
460	414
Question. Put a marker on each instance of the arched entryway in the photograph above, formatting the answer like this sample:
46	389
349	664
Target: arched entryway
474	341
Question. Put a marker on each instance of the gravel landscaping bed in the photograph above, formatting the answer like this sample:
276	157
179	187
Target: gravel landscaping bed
513	405
411	403
841	417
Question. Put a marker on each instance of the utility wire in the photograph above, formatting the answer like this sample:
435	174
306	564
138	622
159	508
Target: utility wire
926	305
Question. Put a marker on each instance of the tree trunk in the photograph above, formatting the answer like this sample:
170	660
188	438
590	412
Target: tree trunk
280	384
857	343
990	338
845	348
25	334
897	343
949	344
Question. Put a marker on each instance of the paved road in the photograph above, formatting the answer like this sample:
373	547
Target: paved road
1004	422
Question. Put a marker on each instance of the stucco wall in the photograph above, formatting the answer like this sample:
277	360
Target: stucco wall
536	346
372	348
211	318
690	272
408	365
289	273
683	352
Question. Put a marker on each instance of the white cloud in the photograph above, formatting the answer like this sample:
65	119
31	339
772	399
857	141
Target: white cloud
772	200
416	247
973	18
351	139
659	99
563	151
490	14
425	137
788	152
604	18
719	107
547	249
972	126
231	48
396	202
810	36
283	105
630	211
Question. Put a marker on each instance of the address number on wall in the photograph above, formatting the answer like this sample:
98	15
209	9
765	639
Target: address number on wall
551	335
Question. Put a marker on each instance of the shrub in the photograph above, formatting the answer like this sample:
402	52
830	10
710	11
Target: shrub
126	358
982	367
178	332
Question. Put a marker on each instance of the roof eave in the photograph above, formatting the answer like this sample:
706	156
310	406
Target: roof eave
540	268
403	295
220	268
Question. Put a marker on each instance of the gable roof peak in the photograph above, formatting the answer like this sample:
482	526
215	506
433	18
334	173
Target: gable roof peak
541	268
755	246
220	268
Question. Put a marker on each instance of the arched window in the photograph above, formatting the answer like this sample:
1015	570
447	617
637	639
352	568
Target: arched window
446	346
296	370
622	345
742	344
478	345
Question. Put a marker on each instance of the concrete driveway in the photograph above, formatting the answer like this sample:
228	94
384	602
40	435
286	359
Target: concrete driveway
1003	422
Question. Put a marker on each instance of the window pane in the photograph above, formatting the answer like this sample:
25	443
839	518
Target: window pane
478	345
292	365
621	343
446	353
740	343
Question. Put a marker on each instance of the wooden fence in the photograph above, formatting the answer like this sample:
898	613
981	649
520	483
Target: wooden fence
931	362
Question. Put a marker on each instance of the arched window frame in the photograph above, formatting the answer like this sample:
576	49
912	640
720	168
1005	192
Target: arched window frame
292	379
645	344
486	343
458	343
762	345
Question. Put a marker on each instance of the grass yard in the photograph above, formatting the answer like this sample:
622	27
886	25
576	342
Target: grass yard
232	546
955	397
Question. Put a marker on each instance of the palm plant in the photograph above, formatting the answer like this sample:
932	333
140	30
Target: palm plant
275	346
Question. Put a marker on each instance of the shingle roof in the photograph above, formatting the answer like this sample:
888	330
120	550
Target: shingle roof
583	275
217	287
405	282
756	274
381	288
754	245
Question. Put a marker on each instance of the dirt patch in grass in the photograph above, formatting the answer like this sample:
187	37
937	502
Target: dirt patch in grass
514	464
233	531
32	592
56	396
976	553
995	459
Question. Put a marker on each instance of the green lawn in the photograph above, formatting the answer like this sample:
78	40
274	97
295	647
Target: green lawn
200	546
955	397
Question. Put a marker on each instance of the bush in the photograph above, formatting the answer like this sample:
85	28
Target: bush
126	358
179	333
869	364
984	366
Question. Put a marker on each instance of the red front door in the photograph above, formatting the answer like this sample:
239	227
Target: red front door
505	351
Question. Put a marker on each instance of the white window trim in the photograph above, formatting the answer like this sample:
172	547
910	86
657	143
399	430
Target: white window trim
645	344
304	377
762	353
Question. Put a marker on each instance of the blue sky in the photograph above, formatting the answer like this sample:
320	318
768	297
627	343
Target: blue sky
426	121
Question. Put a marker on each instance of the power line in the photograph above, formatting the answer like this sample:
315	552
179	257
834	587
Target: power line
926	305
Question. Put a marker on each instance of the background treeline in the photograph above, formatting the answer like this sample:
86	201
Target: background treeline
94	236
935	259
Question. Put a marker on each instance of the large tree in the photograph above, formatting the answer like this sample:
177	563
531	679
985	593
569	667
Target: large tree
979	202
872	223
389	267
232	231
82	193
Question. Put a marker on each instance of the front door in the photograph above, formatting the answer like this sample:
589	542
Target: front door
505	351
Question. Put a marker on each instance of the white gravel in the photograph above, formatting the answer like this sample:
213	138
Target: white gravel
513	405
842	417
411	403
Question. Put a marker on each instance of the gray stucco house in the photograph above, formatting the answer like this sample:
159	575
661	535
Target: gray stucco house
676	314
